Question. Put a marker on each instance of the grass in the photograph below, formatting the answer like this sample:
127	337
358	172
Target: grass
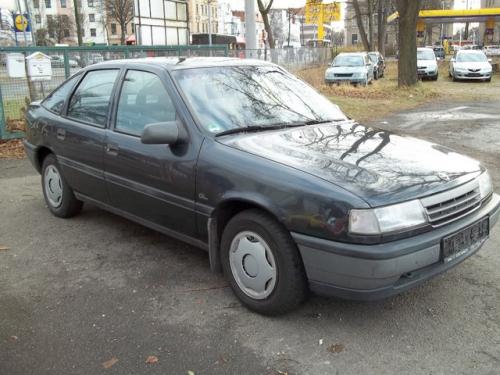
384	96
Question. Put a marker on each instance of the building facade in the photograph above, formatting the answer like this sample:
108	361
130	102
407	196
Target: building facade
200	11
161	22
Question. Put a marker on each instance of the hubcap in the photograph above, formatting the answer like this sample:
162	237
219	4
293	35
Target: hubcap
252	265
53	186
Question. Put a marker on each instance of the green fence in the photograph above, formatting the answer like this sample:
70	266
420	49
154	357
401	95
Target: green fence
17	93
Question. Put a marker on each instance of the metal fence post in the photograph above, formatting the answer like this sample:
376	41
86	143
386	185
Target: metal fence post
2	116
67	72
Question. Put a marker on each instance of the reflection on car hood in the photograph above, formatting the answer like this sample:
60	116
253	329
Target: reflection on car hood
473	65
427	63
376	165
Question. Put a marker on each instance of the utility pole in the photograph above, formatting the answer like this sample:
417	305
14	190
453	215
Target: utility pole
78	23
250	28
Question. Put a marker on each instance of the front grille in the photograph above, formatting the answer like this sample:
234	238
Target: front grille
343	75
473	75
474	70
451	205
421	67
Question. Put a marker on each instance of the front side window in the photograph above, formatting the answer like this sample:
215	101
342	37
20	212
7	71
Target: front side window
231	97
143	100
55	101
90	101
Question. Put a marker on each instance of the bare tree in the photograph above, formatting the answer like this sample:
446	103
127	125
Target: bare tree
361	26
121	11
407	39
382	10
59	26
264	11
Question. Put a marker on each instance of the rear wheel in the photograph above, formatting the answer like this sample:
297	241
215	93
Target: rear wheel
262	264
58	195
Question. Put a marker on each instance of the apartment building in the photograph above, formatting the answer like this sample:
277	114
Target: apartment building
161	22
199	16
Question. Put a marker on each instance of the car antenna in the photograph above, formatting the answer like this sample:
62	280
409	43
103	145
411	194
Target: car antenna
181	59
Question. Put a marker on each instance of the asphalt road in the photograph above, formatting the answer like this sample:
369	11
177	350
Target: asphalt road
77	293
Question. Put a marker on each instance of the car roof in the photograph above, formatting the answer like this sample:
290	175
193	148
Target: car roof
463	51
361	54
178	63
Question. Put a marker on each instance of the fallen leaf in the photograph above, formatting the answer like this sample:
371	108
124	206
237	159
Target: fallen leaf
3	247
336	348
190	372
13	338
320	341
110	363
152	359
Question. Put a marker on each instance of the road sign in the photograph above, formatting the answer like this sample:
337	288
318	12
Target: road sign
331	12
21	23
314	9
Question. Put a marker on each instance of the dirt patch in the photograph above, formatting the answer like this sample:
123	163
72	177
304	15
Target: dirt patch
12	149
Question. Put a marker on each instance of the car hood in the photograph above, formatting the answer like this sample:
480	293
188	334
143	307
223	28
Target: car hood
346	69
376	165
473	65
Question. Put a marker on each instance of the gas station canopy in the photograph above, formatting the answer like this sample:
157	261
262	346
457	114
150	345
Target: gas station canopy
455	15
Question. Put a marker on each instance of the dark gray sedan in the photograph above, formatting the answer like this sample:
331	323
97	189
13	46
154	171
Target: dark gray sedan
244	160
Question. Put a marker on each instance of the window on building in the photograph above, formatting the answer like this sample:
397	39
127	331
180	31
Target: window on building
93	32
170	10
90	101
113	29
63	3
36	4
90	3
182	11
66	33
91	17
132	28
143	100
354	39
48	4
38	19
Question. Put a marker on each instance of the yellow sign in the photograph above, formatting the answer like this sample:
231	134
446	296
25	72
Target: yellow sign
21	23
318	13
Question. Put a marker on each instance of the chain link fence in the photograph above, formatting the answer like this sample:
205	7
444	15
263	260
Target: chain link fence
17	92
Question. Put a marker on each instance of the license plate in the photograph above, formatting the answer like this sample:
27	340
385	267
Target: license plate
467	240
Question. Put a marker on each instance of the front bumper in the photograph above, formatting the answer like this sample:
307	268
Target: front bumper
370	272
468	76
344	79
427	73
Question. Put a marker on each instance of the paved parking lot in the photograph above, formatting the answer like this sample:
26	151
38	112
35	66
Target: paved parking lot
77	293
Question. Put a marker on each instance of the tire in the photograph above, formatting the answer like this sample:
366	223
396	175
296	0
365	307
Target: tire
453	78
375	76
281	290
435	78
58	195
488	79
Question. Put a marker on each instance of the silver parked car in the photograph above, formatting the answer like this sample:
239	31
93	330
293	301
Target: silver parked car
427	66
470	64
350	67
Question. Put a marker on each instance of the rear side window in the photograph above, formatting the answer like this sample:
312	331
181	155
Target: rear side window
90	101
143	100
55	101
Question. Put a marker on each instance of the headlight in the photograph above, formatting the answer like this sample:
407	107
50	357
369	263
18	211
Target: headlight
387	219
461	70
485	185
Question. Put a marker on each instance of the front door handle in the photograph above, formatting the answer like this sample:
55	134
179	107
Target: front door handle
61	134
112	149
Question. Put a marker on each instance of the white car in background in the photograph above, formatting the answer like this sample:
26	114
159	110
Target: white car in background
492	50
427	66
470	64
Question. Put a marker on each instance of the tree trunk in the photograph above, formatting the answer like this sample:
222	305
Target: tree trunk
369	5
466	31
78	22
407	41
267	27
381	25
122	35
361	27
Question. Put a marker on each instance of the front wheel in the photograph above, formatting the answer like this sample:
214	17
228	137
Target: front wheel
262	264
57	193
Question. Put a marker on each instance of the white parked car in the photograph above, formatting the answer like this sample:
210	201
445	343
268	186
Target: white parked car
492	50
470	64
427	66
355	68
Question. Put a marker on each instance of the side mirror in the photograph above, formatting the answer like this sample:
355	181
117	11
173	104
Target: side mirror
162	133
490	60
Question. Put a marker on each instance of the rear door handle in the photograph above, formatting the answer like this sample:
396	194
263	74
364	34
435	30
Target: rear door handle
112	149
61	134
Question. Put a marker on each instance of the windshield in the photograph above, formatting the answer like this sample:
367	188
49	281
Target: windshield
471	57
348	60
425	55
231	97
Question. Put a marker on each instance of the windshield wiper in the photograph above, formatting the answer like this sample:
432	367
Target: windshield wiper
258	128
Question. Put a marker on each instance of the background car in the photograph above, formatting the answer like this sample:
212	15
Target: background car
427	66
350	67
439	52
378	64
493	50
470	64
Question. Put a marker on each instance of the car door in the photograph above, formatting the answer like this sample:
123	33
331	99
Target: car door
154	183
80	133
